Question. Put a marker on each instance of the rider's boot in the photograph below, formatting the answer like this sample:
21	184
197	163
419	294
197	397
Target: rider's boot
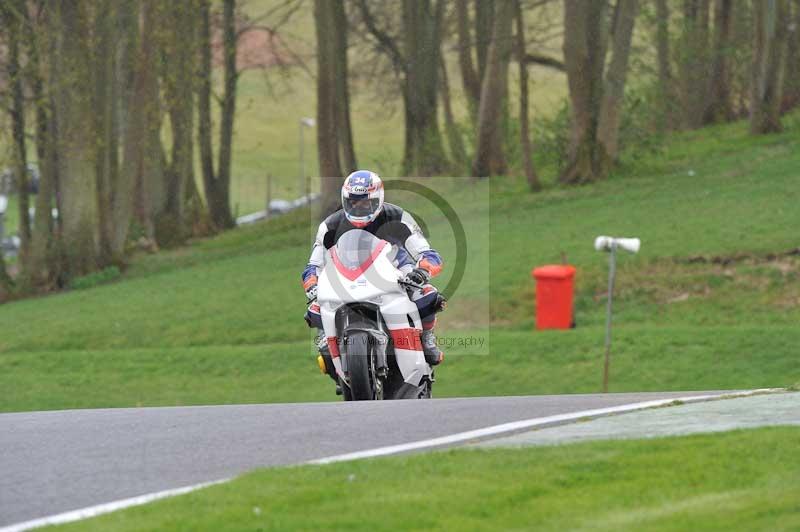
433	355
327	361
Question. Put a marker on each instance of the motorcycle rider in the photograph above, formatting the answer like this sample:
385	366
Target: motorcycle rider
363	208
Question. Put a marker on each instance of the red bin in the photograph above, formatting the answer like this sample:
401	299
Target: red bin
554	294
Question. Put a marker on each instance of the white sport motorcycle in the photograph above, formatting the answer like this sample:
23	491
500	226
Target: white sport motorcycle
372	327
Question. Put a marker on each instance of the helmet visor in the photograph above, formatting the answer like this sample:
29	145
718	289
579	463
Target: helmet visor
360	207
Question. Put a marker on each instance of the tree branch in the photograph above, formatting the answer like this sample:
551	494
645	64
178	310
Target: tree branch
543	60
386	43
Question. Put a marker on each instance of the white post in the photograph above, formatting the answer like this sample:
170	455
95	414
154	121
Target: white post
612	276
611	244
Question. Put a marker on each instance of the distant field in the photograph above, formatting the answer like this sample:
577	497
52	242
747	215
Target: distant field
711	302
741	480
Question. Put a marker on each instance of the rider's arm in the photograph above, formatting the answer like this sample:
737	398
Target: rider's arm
315	261
417	246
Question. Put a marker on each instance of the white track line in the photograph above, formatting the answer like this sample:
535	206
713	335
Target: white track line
100	509
527	424
432	443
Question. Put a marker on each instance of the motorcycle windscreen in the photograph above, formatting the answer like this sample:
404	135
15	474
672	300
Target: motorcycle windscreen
356	247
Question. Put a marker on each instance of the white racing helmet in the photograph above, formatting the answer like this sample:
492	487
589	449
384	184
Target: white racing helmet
362	197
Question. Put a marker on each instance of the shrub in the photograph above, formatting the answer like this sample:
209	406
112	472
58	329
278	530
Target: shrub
91	280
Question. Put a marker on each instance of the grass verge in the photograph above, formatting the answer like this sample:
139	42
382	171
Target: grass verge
711	301
742	480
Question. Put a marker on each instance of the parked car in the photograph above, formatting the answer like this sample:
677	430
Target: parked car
8	180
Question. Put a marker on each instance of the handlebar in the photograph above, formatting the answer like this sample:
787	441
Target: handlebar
403	282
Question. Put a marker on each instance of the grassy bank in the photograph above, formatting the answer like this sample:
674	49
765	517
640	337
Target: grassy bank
743	480
711	301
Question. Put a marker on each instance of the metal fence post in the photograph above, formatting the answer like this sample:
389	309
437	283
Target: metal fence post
612	274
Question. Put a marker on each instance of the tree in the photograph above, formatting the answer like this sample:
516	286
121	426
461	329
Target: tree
327	130
458	152
178	29
666	82
595	94
12	15
6	283
525	139
469	76
422	22
217	183
614	84
105	122
484	33
719	107
416	62
489	155
127	126
144	154
695	62
791	70
768	47
42	268
345	131
72	75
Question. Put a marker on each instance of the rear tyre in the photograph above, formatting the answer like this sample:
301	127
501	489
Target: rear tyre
358	366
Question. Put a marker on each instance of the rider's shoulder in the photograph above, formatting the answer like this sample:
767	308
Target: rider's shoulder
333	220
393	212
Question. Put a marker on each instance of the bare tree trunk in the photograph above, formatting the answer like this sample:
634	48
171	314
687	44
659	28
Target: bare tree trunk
469	76
223	218
418	65
484	27
125	74
768	48
73	107
146	155
489	156
525	137
15	23
178	73
204	128
665	79
327	132
105	131
42	267
424	152
719	105
791	70
614	89
695	62
6	284
585	42
348	153
458	153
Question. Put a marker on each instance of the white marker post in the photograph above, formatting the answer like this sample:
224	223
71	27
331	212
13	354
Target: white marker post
610	244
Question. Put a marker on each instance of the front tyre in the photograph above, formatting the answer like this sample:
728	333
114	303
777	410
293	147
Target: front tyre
358	366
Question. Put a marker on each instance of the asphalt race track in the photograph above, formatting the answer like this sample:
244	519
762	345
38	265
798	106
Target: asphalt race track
53	462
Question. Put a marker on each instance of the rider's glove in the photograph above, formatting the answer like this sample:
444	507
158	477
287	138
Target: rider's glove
311	293
418	276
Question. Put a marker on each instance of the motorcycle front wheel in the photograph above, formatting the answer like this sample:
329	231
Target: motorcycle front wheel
358	367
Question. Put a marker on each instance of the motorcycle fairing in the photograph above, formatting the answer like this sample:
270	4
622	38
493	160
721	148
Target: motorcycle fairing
373	279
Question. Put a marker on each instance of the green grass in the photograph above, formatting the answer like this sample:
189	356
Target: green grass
678	324
741	480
